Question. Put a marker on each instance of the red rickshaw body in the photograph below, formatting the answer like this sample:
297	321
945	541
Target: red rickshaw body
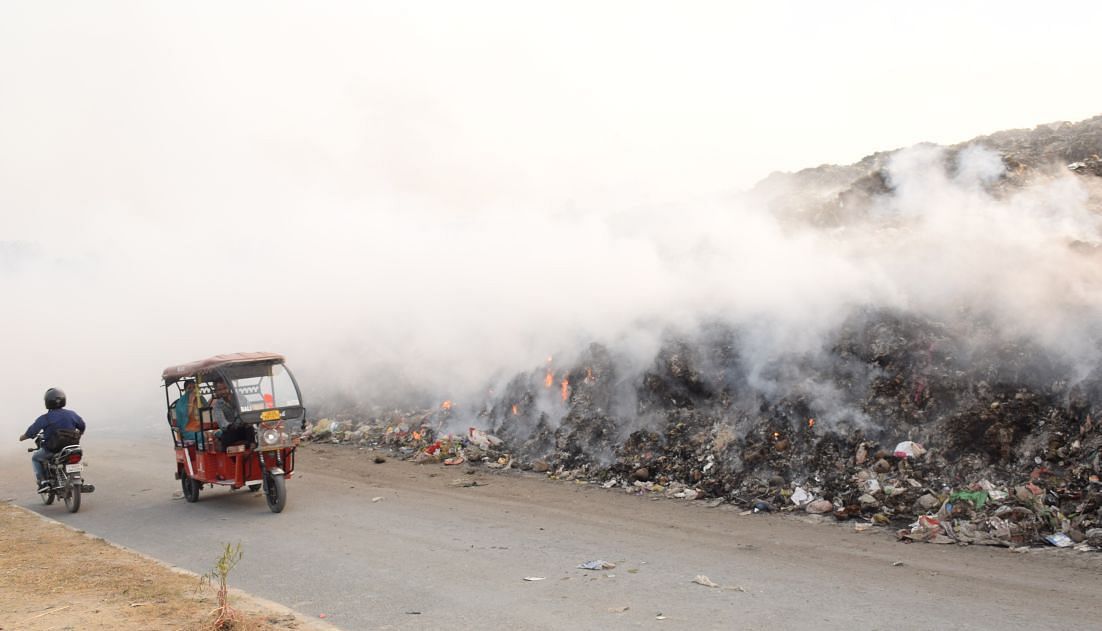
263	399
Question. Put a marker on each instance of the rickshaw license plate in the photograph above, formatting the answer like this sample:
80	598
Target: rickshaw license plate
74	468
269	415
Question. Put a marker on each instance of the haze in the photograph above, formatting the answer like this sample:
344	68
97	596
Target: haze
423	194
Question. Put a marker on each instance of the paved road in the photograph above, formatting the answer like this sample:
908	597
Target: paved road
434	554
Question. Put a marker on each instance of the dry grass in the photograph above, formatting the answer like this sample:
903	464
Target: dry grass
56	578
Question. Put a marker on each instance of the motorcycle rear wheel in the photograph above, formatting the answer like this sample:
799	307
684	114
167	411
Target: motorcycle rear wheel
72	499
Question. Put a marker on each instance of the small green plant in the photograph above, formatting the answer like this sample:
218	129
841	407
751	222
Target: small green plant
225	617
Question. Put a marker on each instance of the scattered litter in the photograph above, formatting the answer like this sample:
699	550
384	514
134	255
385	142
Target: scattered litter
596	565
618	609
705	581
734	588
897	564
534	578
659	617
377	499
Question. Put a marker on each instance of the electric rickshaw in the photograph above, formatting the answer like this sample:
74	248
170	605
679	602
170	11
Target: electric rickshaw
231	417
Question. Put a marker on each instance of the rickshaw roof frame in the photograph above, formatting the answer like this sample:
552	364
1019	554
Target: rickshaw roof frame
196	368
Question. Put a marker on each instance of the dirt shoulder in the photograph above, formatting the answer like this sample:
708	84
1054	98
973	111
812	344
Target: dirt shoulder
55	577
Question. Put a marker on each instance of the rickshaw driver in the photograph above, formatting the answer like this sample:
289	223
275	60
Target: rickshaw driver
225	416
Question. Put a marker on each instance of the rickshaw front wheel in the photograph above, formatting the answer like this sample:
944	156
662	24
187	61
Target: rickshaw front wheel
275	491
191	488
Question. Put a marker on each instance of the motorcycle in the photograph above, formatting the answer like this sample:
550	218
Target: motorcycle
65	476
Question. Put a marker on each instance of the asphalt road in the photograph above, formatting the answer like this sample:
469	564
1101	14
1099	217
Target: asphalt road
403	546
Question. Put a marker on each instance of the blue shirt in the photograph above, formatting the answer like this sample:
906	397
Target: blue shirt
54	420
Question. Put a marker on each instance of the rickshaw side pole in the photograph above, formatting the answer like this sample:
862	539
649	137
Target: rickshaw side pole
238	470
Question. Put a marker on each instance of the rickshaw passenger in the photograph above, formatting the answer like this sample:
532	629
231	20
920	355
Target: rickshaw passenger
187	412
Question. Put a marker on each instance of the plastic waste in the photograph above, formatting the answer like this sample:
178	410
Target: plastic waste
909	449
596	565
800	496
1060	540
977	498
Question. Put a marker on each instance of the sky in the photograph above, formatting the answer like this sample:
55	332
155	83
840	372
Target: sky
429	192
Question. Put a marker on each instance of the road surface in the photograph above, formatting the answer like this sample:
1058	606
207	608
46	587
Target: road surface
403	546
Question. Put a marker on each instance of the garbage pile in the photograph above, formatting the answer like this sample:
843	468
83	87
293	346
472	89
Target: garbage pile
895	424
943	432
419	436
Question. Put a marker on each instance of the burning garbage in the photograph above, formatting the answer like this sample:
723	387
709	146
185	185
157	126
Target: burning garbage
944	431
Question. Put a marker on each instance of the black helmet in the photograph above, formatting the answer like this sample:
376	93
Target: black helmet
55	399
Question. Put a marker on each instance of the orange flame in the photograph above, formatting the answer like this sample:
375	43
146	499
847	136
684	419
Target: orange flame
549	379
515	409
446	405
810	422
416	435
565	388
776	435
589	375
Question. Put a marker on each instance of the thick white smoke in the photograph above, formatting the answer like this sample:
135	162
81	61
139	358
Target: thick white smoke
393	209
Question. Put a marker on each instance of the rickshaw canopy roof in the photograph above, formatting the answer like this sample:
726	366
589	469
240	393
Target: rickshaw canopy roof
191	369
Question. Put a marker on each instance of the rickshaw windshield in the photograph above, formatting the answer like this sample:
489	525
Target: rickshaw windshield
262	387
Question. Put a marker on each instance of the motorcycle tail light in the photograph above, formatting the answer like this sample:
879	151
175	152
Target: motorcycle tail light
73	459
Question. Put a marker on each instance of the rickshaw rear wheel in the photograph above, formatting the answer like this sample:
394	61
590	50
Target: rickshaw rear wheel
275	492
191	488
47	497
72	499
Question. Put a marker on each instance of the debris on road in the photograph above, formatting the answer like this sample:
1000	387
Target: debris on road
705	581
596	565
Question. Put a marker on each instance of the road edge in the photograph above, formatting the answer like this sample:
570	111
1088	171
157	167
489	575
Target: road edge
304	622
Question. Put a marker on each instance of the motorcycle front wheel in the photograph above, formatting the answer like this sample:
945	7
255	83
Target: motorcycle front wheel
47	497
72	498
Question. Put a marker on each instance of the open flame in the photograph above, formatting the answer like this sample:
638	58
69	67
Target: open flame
810	423
776	435
589	375
548	379
515	412
446	405
565	388
416	435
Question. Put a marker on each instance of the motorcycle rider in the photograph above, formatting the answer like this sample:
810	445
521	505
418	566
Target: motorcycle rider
56	418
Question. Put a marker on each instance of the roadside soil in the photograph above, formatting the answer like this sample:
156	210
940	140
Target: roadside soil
55	577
